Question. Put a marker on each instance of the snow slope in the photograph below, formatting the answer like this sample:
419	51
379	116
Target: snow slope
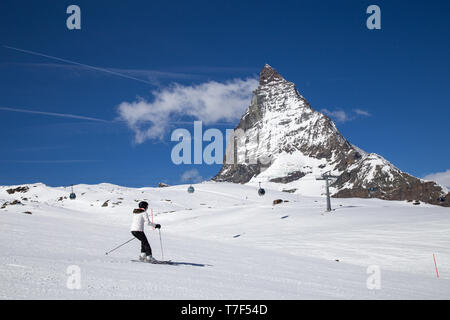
232	244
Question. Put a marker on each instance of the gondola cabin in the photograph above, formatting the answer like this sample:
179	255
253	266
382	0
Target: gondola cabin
72	195
261	191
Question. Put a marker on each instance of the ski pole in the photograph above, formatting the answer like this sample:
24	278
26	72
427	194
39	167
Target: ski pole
119	246
160	241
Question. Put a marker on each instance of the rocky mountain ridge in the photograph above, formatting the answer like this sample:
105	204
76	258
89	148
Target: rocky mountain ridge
281	139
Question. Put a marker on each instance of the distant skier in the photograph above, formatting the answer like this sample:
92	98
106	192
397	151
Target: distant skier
137	229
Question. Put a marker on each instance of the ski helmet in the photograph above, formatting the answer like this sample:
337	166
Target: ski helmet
143	205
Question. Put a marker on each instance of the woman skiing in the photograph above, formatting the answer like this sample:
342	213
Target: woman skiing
137	230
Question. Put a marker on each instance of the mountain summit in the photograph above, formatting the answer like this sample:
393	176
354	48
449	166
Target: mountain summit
269	74
281	139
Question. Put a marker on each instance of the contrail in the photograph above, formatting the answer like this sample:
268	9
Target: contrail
54	114
73	116
48	161
78	64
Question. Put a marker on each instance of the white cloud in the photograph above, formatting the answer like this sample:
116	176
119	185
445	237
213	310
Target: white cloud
209	102
342	116
443	178
191	176
361	112
338	115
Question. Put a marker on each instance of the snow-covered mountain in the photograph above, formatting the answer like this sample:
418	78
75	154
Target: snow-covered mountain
281	139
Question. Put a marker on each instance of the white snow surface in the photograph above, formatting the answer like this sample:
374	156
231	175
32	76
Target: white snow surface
251	248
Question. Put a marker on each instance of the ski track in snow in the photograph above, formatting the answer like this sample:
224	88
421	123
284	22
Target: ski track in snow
250	248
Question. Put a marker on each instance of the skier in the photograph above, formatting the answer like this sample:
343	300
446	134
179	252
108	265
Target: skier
137	230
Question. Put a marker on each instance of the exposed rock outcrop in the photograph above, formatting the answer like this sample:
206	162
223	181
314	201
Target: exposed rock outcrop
22	189
281	139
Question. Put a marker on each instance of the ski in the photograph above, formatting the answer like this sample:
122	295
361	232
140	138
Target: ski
156	262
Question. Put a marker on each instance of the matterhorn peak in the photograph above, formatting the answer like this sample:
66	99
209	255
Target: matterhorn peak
269	74
281	139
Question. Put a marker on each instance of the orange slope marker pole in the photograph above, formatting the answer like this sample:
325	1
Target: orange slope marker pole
435	265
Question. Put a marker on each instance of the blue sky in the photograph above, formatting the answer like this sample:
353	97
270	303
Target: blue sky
397	77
